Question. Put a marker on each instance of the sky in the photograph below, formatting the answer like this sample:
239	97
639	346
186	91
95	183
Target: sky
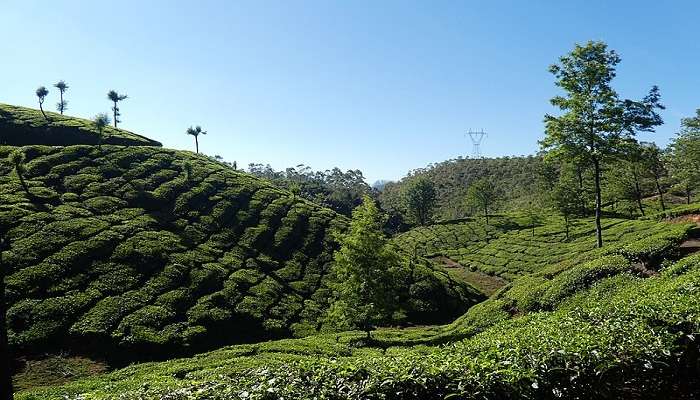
380	86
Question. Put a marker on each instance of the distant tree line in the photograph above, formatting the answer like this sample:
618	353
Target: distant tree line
338	190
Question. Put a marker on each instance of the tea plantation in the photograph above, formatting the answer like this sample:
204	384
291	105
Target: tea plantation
22	126
136	252
621	322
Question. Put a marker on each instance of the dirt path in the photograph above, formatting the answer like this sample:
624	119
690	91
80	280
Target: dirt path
487	284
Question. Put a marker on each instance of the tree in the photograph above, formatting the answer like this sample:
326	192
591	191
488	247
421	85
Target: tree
595	122
5	359
653	164
101	121
685	156
41	93
481	194
62	105
365	273
196	131
115	98
17	159
566	197
419	198
633	154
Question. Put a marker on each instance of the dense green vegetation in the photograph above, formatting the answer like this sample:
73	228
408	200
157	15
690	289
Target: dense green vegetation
157	252
335	189
602	327
23	126
516	176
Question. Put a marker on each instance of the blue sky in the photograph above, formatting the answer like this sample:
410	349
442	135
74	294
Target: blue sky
381	86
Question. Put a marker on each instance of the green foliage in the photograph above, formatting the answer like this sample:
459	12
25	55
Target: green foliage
514	177
685	156
25	126
335	189
481	196
419	199
145	252
616	336
595	124
365	273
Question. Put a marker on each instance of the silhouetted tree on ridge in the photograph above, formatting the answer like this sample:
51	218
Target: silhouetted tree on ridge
41	93
196	131
115	98
62	105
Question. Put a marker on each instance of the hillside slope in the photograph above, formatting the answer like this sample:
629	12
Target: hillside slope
515	177
22	126
620	323
136	252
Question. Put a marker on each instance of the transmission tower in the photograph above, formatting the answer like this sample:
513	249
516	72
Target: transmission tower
476	137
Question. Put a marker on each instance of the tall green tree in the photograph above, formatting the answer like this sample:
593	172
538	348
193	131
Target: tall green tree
101	121
365	273
654	166
41	93
595	122
5	357
419	198
196	131
115	98
633	160
684	156
566	197
17	159
62	105
482	194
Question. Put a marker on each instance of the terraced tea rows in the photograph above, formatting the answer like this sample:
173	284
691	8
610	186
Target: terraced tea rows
598	329
152	251
23	126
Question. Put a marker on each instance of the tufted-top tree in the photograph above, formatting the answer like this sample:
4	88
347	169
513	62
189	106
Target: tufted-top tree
196	131
595	123
115	98
41	93
62	105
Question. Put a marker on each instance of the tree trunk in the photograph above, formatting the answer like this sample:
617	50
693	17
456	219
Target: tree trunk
598	229
5	359
196	144
114	111
661	194
638	195
41	107
61	102
579	173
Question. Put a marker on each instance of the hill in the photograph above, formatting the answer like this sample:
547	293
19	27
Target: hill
515	177
23	126
137	252
617	322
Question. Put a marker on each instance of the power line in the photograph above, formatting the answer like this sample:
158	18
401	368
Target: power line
476	137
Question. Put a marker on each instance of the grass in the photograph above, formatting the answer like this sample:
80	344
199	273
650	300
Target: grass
23	126
120	252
